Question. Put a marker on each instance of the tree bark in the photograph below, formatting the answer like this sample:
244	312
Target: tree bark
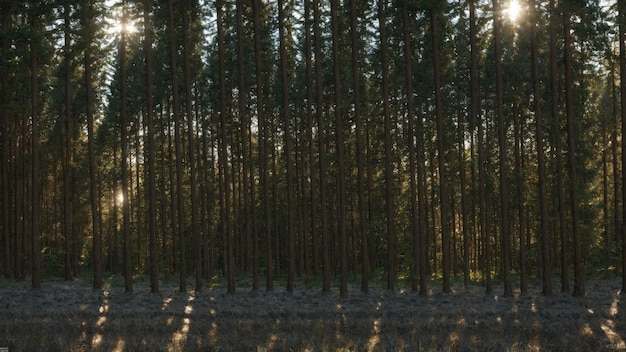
291	206
544	236
4	86
341	183
223	155
195	232
579	287
93	173
321	147
178	146
389	182
68	222
151	153
622	64
441	150
128	275
504	216
36	230
257	6
361	167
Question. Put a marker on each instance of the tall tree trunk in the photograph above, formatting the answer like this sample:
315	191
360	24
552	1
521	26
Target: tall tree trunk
178	146
519	152
341	182
36	243
4	86
128	275
504	216
195	232
615	130
464	213
93	173
544	236
151	152
360	155
579	288
291	206
321	146
257	6
389	184
554	86
223	109
310	140
441	149
474	116
249	205
622	65
68	223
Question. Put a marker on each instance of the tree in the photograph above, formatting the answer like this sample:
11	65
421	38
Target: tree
68	222
541	168
389	184
178	146
88	14
187	14
622	64
504	225
150	152
435	11
579	288
321	147
223	155
36	232
128	278
249	198
283	34
361	167
341	182
4	142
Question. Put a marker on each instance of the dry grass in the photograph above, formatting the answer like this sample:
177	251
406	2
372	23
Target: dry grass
73	317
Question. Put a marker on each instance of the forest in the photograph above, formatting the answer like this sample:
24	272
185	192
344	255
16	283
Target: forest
327	144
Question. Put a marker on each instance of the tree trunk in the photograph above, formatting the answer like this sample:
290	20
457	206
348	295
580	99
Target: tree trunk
622	65
178	146
223	156
4	121
310	140
249	205
128	275
195	233
341	183
504	216
68	223
441	150
93	173
321	147
361	167
35	245
291	206
389	184
554	86
579	288
263	143
544	236
151	153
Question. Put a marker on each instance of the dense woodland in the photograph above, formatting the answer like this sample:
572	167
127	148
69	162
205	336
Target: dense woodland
409	142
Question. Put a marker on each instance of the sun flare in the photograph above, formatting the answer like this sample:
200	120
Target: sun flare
119	27
514	10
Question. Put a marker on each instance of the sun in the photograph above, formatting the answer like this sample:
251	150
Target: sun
514	10
116	24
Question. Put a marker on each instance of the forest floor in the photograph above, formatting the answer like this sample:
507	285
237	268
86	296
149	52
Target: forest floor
70	316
